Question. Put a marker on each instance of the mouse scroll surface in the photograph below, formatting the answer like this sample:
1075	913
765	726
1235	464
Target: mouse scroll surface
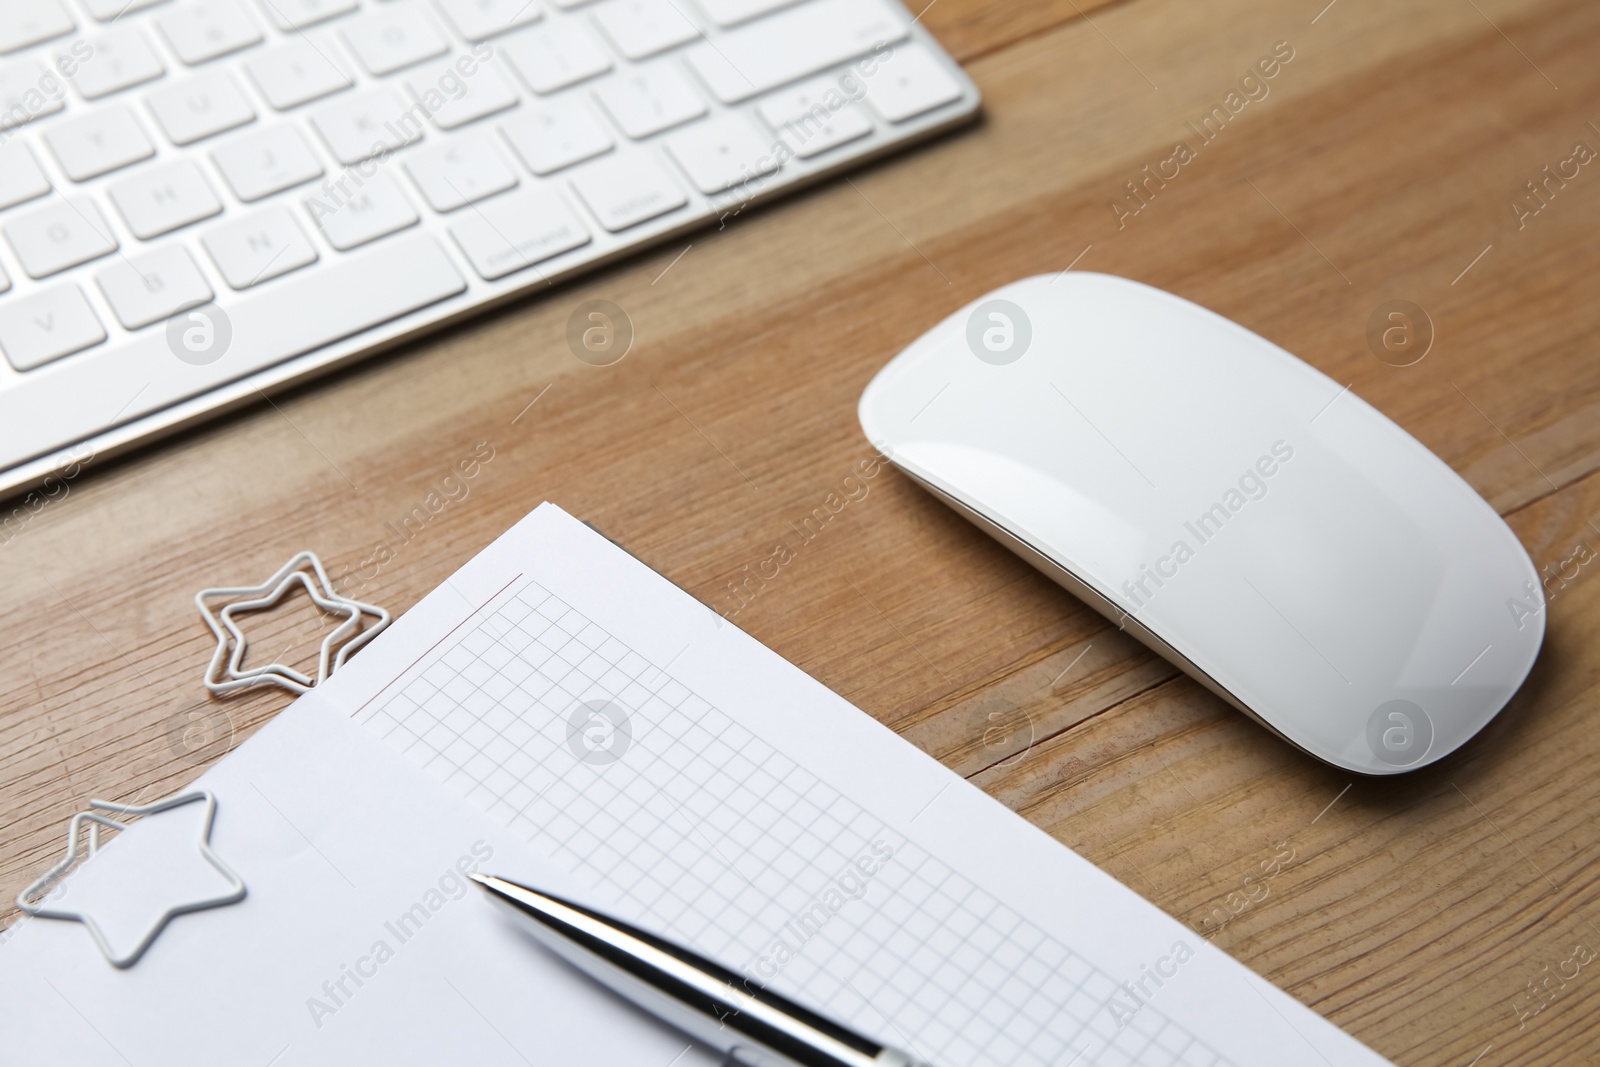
1248	517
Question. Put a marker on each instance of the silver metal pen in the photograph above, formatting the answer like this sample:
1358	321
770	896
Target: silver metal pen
710	1003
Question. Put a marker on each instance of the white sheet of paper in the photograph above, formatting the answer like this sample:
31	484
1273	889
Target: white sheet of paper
559	714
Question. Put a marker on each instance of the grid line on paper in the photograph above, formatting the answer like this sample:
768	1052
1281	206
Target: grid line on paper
702	830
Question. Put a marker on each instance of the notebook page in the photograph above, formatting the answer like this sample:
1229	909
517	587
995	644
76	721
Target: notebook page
597	731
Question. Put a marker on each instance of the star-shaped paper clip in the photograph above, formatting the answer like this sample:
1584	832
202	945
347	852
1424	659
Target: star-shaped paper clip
226	671
31	900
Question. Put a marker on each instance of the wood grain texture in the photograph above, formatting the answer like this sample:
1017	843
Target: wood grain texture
1381	164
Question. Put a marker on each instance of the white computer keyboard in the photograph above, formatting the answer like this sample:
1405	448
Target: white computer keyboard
203	199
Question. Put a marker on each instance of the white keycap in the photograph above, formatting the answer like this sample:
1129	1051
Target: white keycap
100	142
478	19
28	91
206	29
910	83
26	22
298	72
296	314
48	325
201	107
793	44
258	247
390	38
298	14
453	99
463	170
556	135
515	231
20	177
266	161
626	191
158	200
723	152
733	12
554	55
641	28
368	124
650	100
814	116
59	235
121	57
111	10
5	282
355	212
153	286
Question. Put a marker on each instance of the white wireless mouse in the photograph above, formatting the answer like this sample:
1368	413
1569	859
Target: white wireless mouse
1248	518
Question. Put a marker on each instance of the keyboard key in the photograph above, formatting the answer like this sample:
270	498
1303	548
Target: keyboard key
793	44
910	83
298	14
368	124
554	55
111	10
265	162
30	21
642	28
454	99
555	136
356	216
628	190
21	179
515	231
722	153
391	38
478	19
121	57
153	286
297	73
650	100
158	200
207	29
460	172
28	91
733	12
814	117
258	247
60	235
202	107
5	282
100	142
48	325
298	314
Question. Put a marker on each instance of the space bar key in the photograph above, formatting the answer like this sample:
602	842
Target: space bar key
84	395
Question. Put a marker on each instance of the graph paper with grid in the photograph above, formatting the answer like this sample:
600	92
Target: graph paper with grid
707	834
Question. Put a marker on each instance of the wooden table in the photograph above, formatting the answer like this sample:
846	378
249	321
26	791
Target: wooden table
1383	163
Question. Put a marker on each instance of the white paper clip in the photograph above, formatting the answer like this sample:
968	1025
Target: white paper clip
26	899
227	673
